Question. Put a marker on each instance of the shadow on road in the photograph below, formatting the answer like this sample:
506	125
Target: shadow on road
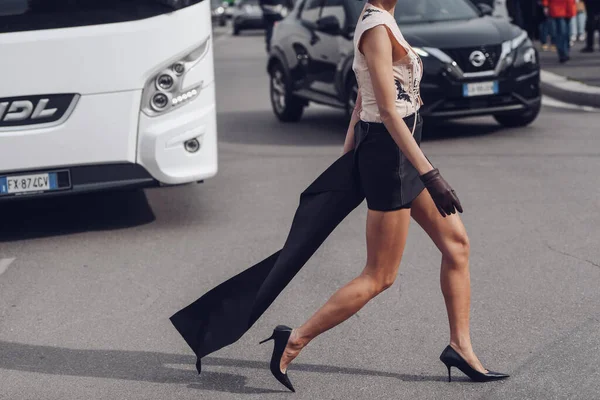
454	129
253	32
44	217
159	367
328	127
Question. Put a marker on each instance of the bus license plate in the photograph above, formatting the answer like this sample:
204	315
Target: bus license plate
480	88
28	183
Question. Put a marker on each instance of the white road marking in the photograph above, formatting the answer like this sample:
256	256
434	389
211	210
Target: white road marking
551	102
4	264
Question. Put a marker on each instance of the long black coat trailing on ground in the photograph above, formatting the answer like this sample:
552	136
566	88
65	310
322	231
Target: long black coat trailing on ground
225	313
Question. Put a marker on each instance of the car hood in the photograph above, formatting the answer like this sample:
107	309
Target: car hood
463	33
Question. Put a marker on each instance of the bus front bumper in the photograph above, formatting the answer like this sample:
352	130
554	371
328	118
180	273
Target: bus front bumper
181	146
86	179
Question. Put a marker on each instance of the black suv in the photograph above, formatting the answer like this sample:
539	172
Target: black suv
474	64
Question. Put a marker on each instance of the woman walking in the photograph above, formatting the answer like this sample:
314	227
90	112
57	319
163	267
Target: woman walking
385	133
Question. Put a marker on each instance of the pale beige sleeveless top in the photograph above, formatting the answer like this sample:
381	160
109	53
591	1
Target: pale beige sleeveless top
407	72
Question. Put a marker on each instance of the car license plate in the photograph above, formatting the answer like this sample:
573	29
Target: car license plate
480	88
28	183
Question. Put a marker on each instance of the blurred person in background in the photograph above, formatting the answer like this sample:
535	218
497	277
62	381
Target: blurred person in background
525	14
273	11
532	16
544	27
515	12
578	23
592	24
560	12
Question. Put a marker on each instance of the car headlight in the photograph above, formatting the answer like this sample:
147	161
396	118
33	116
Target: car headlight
421	52
164	91
526	54
448	64
518	51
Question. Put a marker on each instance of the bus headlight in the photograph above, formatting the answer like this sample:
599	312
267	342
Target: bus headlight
178	68
165	82
159	102
164	92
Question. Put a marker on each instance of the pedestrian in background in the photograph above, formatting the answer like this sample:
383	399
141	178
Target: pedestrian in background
515	12
531	15
592	24
543	26
561	12
578	23
273	11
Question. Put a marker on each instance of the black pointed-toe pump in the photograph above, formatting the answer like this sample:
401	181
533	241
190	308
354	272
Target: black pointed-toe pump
280	335
452	359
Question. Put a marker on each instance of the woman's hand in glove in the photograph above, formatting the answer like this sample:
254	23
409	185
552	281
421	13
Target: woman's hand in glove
443	195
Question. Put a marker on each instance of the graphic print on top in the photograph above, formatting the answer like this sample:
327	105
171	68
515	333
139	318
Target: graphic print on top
368	13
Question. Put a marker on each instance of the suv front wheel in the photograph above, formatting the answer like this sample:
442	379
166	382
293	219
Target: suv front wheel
351	95
519	120
286	106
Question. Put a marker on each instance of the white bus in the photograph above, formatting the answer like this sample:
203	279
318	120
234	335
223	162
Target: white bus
105	94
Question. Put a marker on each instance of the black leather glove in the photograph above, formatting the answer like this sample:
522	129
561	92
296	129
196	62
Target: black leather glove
443	195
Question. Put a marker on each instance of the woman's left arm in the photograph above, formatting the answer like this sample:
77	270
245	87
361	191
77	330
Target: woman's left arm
349	141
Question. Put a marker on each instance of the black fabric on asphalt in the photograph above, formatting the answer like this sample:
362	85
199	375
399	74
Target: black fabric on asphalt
225	313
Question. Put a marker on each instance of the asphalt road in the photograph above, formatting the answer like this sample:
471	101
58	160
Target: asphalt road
87	284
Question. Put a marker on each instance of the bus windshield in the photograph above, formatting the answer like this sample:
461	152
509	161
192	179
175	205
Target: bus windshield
25	15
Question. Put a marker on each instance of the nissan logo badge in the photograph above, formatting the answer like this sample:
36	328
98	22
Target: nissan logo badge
477	58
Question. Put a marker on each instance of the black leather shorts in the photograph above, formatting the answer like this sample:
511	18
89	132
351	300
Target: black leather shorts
388	179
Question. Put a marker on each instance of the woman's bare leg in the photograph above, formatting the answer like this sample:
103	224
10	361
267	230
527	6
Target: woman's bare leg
386	237
450	236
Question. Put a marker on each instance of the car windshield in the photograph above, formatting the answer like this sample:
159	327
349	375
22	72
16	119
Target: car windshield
425	11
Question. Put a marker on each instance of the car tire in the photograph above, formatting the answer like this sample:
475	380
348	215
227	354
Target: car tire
351	94
222	22
236	30
519	120
286	106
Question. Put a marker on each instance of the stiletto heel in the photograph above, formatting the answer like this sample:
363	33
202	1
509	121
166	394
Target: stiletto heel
281	335
266	340
451	358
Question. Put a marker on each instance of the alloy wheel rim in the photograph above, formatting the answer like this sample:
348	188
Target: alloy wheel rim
278	91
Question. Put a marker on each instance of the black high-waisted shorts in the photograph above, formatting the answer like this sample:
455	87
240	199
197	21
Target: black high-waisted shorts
389	180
